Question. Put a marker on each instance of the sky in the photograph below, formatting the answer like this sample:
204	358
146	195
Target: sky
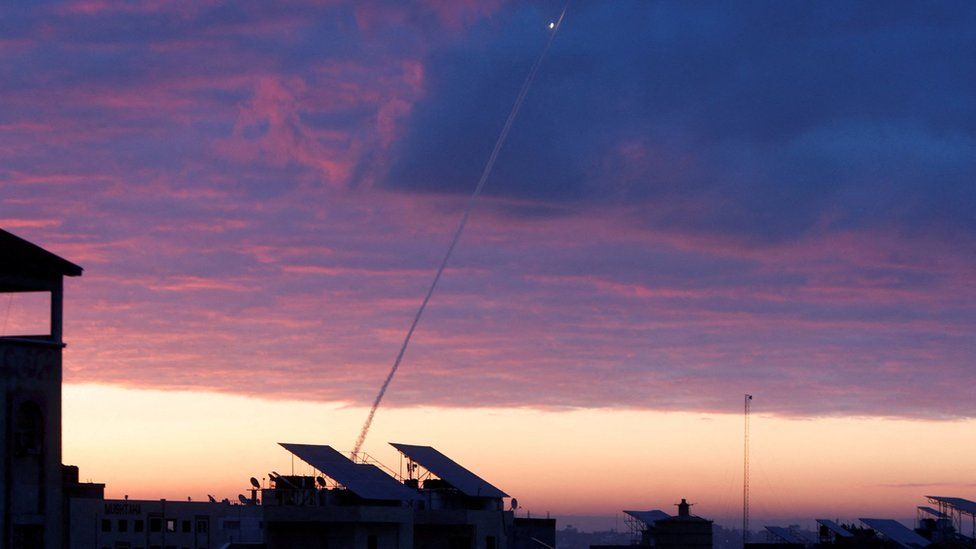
697	201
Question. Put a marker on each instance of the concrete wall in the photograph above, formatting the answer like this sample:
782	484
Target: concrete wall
462	528
337	535
97	523
683	533
333	527
528	532
30	469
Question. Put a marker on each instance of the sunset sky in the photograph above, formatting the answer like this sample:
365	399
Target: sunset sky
697	201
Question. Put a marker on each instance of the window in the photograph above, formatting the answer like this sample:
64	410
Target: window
138	525
202	526
28	430
490	542
123	525
106	525
171	525
186	527
371	542
155	525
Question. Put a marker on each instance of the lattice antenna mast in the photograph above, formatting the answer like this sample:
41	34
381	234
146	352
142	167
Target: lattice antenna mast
747	401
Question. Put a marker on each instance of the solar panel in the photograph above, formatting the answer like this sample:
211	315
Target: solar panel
896	532
649	517
933	512
959	504
785	535
364	480
837	529
450	471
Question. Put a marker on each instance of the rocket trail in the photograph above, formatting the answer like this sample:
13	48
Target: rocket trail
457	233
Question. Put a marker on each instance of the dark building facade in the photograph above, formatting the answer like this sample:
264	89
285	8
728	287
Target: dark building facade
658	529
684	531
32	503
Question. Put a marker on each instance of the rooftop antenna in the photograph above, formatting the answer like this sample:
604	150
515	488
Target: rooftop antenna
255	486
747	402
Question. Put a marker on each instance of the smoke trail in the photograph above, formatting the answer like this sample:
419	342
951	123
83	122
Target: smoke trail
457	233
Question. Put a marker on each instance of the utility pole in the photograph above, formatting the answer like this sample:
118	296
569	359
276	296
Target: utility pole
745	474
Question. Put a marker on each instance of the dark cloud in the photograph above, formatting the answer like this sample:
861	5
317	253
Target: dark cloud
765	120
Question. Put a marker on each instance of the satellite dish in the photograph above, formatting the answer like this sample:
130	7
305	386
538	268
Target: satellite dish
255	483
244	500
212	499
513	504
320	481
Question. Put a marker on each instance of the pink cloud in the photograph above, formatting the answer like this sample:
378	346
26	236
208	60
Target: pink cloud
222	205
145	7
458	14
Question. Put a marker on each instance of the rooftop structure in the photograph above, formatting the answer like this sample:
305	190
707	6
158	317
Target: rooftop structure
641	524
788	536
957	510
655	528
31	492
648	518
896	532
26	267
829	528
449	471
365	480
932	512
360	507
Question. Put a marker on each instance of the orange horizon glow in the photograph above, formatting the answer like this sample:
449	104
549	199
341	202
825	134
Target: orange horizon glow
151	444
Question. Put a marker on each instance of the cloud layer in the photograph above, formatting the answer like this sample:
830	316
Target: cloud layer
695	202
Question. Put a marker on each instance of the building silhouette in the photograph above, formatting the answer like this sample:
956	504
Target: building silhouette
31	508
347	503
655	528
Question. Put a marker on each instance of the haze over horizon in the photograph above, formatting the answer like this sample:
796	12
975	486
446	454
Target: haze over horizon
697	202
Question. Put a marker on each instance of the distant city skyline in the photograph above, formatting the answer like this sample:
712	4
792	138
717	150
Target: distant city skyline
698	202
